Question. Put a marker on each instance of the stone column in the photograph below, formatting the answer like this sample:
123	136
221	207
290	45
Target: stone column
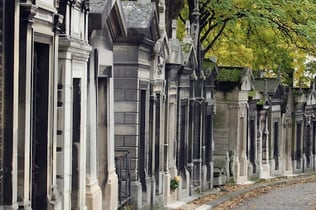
111	190
171	133
241	143
25	91
166	175
54	200
152	129
93	190
64	126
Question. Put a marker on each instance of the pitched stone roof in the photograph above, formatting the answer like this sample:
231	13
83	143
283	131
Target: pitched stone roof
272	85
176	56
138	15
97	6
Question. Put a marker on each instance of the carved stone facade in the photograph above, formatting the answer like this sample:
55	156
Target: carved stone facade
231	122
99	108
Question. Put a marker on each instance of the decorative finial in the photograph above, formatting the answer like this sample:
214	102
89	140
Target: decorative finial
195	23
279	73
174	29
187	28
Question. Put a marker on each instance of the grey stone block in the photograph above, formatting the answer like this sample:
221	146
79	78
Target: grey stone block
124	83
131	118
118	118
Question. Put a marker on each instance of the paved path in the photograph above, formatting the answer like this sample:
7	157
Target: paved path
295	197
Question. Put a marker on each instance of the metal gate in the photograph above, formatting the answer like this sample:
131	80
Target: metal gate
122	165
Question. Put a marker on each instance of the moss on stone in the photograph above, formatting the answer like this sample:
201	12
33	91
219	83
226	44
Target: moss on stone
208	67
229	75
251	93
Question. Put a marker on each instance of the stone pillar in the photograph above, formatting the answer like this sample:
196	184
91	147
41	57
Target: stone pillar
197	143
242	166
54	200
25	91
93	190
152	129
166	152
265	166
111	189
287	145
64	126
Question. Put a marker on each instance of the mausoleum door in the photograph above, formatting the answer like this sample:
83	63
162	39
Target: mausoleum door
252	153
102	130
40	126
76	135
142	162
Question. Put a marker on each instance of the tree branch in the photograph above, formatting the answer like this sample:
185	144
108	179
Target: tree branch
204	51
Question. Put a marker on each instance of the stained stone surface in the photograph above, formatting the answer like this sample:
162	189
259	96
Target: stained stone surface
138	15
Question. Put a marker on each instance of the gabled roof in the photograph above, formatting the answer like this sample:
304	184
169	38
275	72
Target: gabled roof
176	56
97	6
107	12
139	18
189	55
210	67
271	87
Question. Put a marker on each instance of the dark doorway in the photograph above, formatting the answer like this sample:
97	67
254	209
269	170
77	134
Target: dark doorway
307	145
252	145
102	131
276	146
298	144
208	142
76	121
40	126
142	161
314	137
157	143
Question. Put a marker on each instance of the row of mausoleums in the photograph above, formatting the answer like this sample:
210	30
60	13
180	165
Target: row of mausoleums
99	108
261	127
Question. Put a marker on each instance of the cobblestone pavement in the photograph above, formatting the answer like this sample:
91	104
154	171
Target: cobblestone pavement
295	197
292	192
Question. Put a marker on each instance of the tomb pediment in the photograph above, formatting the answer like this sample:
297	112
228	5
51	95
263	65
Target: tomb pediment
189	55
161	50
311	98
110	13
300	95
272	86
210	68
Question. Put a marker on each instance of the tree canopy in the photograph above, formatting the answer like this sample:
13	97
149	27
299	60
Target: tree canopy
267	35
